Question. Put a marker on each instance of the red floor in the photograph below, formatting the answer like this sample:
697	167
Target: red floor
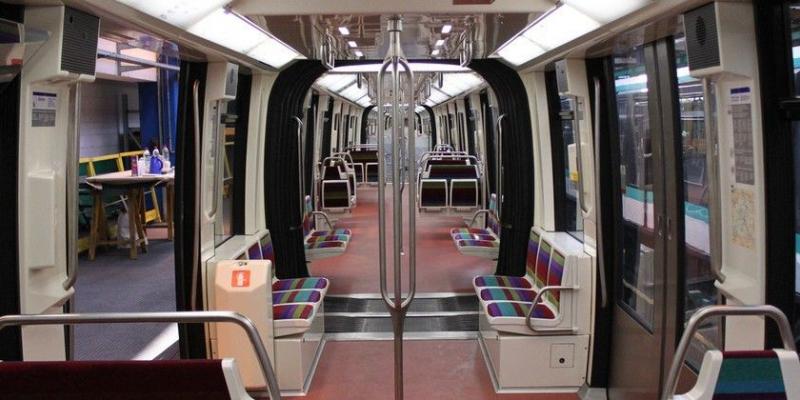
441	370
440	267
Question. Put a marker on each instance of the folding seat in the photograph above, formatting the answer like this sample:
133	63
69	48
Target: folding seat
480	242
500	287
292	319
321	244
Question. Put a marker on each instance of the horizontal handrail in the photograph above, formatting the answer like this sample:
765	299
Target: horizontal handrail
538	299
150	317
722	311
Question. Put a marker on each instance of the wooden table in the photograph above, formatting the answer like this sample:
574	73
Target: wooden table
135	187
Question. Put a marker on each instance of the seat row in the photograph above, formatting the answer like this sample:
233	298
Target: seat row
480	241
548	292
337	185
448	186
365	164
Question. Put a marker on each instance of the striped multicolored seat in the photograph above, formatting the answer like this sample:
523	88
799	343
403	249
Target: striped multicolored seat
517	282
337	231
292	311
507	294
468	231
327	238
478	243
512	309
475	236
296	296
299	283
326	245
750	375
292	319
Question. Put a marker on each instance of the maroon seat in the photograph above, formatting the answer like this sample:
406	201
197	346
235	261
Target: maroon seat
165	379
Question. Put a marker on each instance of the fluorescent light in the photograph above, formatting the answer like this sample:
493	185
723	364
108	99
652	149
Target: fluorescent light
519	51
358	53
435	52
336	82
606	11
273	53
181	13
440	43
352	44
560	26
344	31
228	30
446	29
415	66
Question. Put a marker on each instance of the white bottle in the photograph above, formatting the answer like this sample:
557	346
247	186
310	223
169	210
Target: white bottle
140	165
146	157
165	153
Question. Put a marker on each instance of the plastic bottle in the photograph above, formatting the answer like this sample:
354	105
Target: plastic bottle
146	157
155	162
140	166
134	166
165	153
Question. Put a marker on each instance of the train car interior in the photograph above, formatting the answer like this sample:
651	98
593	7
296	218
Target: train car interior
441	199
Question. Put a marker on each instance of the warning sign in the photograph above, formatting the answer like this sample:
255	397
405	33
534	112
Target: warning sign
240	278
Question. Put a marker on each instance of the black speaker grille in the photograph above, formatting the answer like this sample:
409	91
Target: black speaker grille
79	50
702	41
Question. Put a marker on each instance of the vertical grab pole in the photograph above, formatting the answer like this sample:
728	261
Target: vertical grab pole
499	161
397	306
300	164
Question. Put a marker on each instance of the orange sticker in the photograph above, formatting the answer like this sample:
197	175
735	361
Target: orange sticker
240	278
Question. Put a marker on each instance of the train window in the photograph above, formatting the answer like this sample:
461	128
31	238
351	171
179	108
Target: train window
699	278
569	199
637	263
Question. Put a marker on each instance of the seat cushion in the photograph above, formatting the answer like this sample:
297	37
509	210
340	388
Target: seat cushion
474	231
292	319
474	236
327	238
338	231
296	296
507	294
300	283
478	243
518	282
518	310
326	245
292	311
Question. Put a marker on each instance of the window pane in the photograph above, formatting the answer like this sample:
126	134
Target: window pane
635	286
794	12
699	289
570	207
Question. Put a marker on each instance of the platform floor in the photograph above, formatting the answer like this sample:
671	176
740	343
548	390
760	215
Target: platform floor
437	369
115	283
440	267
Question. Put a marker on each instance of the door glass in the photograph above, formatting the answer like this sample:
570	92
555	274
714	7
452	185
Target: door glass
570	206
795	18
635	283
699	279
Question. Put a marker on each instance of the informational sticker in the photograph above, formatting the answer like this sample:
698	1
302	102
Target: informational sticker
743	204
44	109
742	123
240	278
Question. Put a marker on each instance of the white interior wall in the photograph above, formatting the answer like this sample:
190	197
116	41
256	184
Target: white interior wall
100	115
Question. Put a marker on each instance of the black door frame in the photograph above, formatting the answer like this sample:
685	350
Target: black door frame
779	107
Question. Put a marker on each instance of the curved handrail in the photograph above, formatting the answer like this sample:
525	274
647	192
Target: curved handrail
147	317
715	311
537	300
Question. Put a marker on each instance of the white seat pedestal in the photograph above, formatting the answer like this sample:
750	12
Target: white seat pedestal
296	357
533	364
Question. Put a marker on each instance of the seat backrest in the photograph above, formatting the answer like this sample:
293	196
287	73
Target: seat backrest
174	379
309	224
533	254
543	263
760	374
555	277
